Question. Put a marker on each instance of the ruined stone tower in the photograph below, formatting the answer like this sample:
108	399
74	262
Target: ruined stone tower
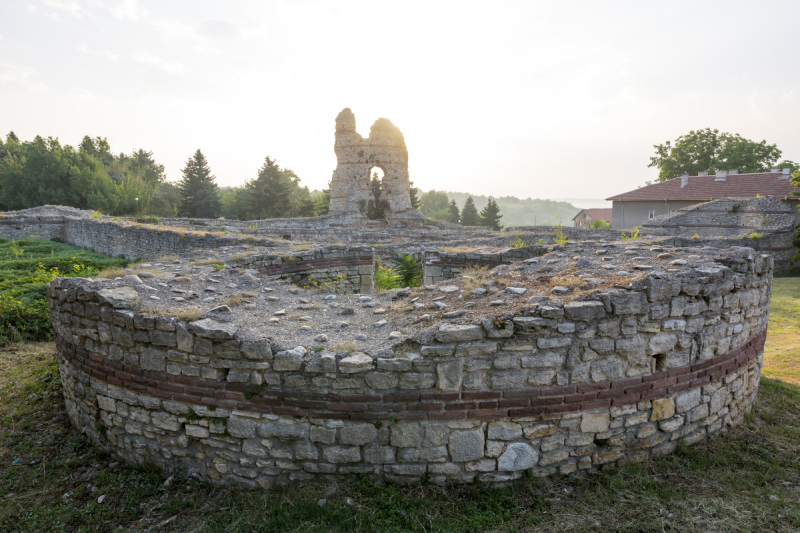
385	148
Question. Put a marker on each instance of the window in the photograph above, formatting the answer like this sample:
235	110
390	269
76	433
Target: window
652	213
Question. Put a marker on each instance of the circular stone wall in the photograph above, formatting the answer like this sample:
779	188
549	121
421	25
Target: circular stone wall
600	372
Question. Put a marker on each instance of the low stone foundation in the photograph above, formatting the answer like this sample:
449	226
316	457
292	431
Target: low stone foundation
615	376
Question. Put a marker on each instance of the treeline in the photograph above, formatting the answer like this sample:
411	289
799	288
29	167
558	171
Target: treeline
516	211
437	205
90	176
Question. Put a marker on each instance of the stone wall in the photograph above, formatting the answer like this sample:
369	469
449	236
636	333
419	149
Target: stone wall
617	376
340	268
766	224
440	265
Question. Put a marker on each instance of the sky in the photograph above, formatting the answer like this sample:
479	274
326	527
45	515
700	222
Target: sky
526	98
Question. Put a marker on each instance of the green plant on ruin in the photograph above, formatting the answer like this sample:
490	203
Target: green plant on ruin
410	270
755	235
387	277
217	266
633	236
516	242
561	237
96	214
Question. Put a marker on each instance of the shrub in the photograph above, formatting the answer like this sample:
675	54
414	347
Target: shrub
149	219
387	278
409	269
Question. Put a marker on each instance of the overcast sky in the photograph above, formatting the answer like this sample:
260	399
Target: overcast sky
540	99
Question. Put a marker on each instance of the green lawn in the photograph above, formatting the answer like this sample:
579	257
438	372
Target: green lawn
51	479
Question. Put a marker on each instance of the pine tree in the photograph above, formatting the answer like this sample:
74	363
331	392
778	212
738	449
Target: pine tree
452	212
199	193
490	215
270	195
376	208
469	213
414	196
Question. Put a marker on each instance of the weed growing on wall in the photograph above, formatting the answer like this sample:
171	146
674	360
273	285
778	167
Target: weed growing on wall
561	237
26	267
633	236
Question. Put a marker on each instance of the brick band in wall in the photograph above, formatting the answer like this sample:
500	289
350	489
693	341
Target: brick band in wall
411	405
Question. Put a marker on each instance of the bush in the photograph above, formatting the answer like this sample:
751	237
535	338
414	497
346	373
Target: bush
386	278
149	219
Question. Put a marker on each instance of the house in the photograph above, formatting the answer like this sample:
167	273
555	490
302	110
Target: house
585	217
635	207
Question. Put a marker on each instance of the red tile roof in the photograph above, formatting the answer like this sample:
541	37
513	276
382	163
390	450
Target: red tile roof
596	214
707	188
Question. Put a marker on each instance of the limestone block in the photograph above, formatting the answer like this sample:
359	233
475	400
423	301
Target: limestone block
356	362
417	380
342	454
629	303
379	455
518	456
504	431
197	432
459	333
212	329
289	360
257	349
687	400
466	445
585	311
381	380
554	342
405	435
153	359
281	429
498	329
242	427
358	434
663	408
662	343
322	434
449	375
475	349
595	422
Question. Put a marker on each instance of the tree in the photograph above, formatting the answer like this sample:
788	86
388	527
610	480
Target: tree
434	204
469	213
376	208
414	192
322	201
199	192
600	224
270	194
709	150
452	213
490	215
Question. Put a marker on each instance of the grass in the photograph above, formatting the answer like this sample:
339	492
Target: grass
26	267
746	480
782	356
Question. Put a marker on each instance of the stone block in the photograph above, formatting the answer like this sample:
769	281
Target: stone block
459	333
687	400
504	431
449	375
356	362
379	455
476	349
663	408
153	359
289	360
212	329
322	434
405	435
342	454
466	445
517	457
595	422
381	380
585	311
243	428
357	434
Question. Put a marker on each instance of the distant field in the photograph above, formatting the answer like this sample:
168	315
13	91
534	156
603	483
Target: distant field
26	267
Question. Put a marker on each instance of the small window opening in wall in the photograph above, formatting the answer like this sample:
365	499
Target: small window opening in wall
652	213
660	362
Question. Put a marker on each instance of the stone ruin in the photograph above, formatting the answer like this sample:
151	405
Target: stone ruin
385	148
249	359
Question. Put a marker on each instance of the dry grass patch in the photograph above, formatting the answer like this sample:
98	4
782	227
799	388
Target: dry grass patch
475	277
233	300
782	352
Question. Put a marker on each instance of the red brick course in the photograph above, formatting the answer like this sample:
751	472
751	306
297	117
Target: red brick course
411	405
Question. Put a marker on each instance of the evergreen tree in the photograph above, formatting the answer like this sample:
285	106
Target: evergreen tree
490	215
302	203
199	192
414	196
452	213
376	208
469	213
322	201
270	194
